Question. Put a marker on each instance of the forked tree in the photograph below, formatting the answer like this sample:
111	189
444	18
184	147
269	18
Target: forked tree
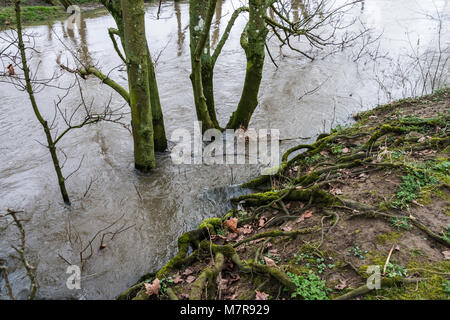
320	24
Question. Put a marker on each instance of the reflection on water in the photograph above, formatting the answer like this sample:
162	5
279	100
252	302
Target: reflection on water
173	199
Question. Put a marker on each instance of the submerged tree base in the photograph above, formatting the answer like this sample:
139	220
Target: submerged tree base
372	195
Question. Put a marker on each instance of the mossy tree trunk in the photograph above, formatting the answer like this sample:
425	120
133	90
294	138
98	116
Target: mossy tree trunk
160	141
200	17
136	50
253	40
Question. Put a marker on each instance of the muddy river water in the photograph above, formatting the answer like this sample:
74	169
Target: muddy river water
173	199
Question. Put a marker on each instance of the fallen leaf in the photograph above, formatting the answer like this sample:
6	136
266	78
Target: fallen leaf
335	191
269	262
190	279
286	228
307	214
231	236
178	280
246	229
187	272
231	224
262	222
342	285
261	295
152	288
11	70
346	150
446	255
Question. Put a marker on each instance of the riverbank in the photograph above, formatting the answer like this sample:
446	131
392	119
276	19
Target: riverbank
38	12
373	197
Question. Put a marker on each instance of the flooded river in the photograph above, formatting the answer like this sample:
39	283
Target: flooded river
154	210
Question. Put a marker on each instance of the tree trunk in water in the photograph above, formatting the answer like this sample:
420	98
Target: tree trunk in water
157	115
160	141
50	144
252	41
201	75
135	44
208	86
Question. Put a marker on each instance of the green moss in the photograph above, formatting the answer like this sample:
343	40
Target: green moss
383	206
433	288
31	14
211	224
390	237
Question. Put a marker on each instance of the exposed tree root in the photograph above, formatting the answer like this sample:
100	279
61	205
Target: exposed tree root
317	195
207	279
385	283
276	233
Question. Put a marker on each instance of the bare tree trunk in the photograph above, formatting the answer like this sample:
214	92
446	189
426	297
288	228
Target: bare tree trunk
252	41
136	50
29	88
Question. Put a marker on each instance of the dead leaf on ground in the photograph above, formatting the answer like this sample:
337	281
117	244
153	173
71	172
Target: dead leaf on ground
178	280
286	228
152	288
346	150
190	279
446	255
341	285
307	214
262	222
231	236
335	191
246	229
231	224
269	262
187	272
261	295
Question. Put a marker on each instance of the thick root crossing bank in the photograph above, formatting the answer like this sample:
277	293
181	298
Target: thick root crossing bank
374	196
